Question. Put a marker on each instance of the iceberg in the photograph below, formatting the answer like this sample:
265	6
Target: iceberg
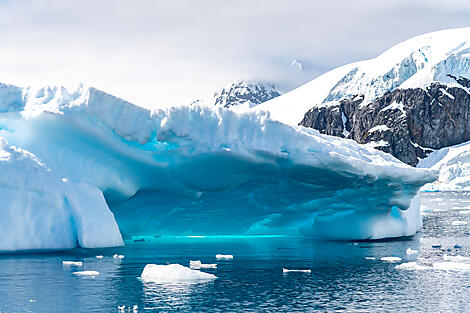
42	211
173	273
199	265
92	167
87	273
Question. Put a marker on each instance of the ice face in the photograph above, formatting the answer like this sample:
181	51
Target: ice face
201	171
41	211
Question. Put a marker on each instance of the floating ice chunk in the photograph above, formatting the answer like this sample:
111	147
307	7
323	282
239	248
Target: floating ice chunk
173	273
72	263
118	256
99	257
459	223
411	266
370	258
390	259
121	308
135	307
32	300
87	273
285	270
198	265
224	256
456	258
410	251
452	266
464	212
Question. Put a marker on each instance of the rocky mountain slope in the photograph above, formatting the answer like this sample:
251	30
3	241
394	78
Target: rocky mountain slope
408	101
242	95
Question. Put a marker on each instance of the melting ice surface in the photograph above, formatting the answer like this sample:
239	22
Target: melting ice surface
185	171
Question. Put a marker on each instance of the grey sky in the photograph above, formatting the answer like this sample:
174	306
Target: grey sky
170	52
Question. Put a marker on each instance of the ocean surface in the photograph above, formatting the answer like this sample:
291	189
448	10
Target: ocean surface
341	280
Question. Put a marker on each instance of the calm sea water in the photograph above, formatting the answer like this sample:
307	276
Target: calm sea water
342	280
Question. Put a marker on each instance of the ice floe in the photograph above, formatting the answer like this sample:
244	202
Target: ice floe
173	273
198	264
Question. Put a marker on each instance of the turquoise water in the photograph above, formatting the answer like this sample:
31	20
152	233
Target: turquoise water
342	280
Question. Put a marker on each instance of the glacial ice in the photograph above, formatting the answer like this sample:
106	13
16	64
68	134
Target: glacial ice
99	160
199	265
72	263
410	251
173	273
453	165
86	273
391	259
286	270
41	211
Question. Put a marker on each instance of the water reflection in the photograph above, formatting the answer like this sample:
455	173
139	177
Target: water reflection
174	295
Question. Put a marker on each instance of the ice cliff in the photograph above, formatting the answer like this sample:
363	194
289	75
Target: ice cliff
191	170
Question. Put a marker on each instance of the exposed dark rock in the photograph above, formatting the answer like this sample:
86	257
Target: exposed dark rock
407	123
242	91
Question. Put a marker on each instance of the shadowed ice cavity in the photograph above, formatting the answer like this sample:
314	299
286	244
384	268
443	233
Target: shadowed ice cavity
173	184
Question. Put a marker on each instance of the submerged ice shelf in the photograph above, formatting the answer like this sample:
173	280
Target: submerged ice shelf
198	170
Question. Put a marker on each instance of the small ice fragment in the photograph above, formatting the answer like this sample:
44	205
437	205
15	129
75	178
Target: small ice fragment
121	308
224	256
411	266
87	273
464	212
198	264
32	300
99	257
172	273
72	263
391	259
356	244
135	308
459	223
285	270
118	256
452	266
410	251
456	258
370	258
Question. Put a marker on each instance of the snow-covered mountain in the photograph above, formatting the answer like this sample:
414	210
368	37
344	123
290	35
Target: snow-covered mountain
194	170
242	95
408	101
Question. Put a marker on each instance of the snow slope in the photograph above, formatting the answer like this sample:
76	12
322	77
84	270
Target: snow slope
453	165
417	62
197	170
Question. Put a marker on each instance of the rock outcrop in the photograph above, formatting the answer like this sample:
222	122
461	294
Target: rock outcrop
407	123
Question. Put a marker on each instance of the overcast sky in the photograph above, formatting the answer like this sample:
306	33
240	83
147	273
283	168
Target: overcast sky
170	52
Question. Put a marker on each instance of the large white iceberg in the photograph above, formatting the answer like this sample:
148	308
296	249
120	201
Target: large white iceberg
185	171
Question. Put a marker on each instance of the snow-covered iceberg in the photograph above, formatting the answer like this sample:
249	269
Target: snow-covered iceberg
453	165
189	170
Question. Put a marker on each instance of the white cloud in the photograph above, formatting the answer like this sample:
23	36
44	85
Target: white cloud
170	52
